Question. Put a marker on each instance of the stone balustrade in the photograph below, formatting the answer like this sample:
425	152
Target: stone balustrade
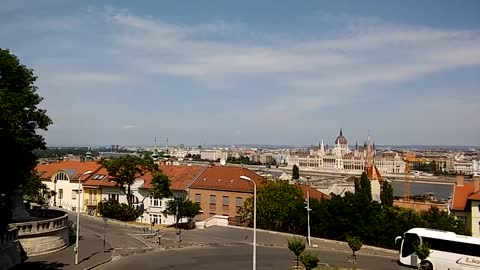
46	233
9	251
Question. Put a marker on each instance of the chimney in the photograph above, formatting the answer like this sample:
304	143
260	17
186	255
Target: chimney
459	180
476	184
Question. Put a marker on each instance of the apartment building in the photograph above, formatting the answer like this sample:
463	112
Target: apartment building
466	204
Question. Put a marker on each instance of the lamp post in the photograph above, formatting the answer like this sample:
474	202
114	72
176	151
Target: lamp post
78	214
308	210
254	220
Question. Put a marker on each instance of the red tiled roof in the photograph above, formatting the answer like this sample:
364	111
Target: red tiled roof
373	173
73	168
180	176
226	178
461	194
475	196
313	193
105	181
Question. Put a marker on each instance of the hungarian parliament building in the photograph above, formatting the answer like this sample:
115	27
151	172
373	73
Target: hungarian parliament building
342	159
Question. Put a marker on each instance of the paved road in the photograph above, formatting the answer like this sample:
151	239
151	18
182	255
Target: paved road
240	257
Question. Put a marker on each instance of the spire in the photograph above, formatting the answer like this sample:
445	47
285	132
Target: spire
356	145
341	132
321	146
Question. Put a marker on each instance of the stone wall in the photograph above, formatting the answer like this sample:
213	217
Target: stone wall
419	206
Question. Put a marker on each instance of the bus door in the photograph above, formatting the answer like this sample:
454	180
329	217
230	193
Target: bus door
408	256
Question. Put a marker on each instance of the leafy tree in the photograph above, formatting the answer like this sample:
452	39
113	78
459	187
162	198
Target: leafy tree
160	186
20	118
310	261
441	220
295	172
387	194
364	187
186	208
125	169
355	245
422	251
297	246
279	205
115	210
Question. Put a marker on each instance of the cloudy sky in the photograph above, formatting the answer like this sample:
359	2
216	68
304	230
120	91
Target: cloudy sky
266	72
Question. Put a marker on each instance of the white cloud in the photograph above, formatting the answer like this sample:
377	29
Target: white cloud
128	126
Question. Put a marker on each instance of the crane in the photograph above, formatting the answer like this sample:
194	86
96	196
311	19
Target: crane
409	158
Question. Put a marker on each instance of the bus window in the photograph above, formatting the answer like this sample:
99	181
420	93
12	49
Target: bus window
407	247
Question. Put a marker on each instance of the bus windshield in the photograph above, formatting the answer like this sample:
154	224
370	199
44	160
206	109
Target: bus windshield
408	241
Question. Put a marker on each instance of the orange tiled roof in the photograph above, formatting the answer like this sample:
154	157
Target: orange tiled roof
461	194
314	193
475	196
226	178
374	174
180	176
100	179
73	168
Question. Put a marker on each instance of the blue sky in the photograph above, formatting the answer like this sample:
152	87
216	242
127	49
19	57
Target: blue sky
266	72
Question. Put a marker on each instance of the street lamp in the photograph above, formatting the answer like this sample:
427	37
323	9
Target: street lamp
254	220
308	210
78	213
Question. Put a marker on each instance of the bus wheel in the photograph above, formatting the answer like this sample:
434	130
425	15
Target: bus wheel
427	265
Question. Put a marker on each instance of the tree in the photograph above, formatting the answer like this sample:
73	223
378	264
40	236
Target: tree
160	186
364	187
279	206
310	261
387	194
297	246
295	172
355	244
186	208
20	118
422	251
125	169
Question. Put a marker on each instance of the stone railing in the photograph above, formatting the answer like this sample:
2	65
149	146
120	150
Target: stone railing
46	233
50	220
8	236
9	252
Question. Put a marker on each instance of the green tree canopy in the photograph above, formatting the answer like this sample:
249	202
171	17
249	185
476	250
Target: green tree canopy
126	169
387	194
186	208
160	186
310	261
278	206
297	246
20	118
295	172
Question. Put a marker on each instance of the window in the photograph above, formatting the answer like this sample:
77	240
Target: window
155	219
113	197
238	203
98	177
453	246
74	194
407	247
60	194
225	203
213	202
198	197
155	202
61	176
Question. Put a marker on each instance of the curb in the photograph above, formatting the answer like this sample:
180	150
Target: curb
100	263
371	248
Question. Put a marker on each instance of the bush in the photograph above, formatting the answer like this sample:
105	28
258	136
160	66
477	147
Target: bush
310	261
120	211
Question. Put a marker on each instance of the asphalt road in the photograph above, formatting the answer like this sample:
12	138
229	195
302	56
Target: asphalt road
240	257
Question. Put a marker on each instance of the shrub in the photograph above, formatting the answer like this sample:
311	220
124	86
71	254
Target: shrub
116	210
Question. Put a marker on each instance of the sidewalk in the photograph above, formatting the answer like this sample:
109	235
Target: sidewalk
91	254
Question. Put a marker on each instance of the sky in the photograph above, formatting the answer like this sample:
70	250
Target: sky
251	72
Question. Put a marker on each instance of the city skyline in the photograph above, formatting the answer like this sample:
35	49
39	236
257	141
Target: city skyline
217	73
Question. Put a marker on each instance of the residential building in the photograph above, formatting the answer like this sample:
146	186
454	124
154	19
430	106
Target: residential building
465	204
221	191
213	154
63	177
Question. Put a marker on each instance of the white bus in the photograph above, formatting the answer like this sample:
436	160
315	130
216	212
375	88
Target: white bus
449	251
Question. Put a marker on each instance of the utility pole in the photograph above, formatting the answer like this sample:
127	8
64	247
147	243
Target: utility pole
176	215
308	210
